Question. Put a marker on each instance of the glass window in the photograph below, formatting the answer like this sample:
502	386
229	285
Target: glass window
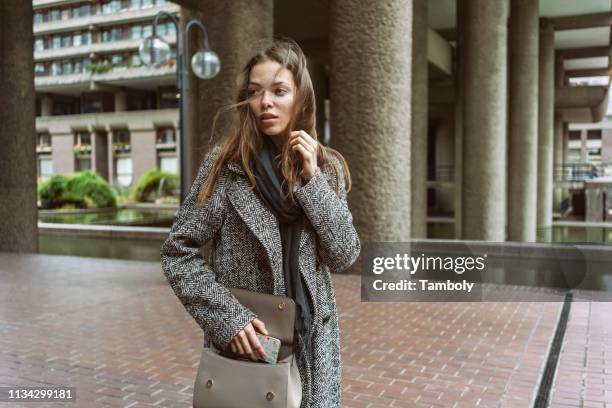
78	67
86	38
44	139
161	29
136	32
161	2
117	59
67	68
124	171
55	15
45	168
76	12
170	29
39	69
66	41
168	164
77	40
116	34
594	134
135	4
56	69
111	7
147	3
38	18
147	31
136	60
85	10
56	42
165	136
39	44
66	14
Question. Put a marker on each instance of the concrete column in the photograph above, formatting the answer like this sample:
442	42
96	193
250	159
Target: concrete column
144	152
120	101
111	157
418	134
523	120
99	154
546	129
459	86
559	134
46	106
484	120
233	29
371	121
18	212
318	76
445	159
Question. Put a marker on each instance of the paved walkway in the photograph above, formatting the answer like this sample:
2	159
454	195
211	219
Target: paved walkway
115	330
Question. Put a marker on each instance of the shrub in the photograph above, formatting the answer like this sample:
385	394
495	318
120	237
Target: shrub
154	184
80	190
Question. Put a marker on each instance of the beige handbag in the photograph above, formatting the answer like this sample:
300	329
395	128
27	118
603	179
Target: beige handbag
224	382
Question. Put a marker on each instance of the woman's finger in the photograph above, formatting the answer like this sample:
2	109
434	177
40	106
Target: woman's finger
260	326
303	142
244	340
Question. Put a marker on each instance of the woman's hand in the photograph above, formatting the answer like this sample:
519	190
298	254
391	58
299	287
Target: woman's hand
307	147
246	342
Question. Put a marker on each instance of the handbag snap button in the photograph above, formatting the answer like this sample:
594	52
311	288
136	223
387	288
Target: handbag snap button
209	383
270	396
281	306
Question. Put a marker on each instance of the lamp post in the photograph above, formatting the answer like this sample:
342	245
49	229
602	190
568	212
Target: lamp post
155	51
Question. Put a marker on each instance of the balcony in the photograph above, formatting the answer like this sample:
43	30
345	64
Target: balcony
99	20
132	77
96	48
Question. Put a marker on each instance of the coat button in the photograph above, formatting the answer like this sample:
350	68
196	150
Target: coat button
209	383
270	396
281	306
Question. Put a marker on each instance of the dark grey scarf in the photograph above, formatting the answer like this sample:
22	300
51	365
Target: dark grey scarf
290	218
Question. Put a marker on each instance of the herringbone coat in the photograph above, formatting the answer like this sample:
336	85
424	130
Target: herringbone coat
248	254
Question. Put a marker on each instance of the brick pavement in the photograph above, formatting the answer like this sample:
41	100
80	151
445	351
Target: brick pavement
115	330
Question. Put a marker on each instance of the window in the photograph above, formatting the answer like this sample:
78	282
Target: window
574	135
39	44
111	7
45	168
85	10
44	140
56	42
117	59
166	136
82	138
161	29
147	31
78	67
66	14
123	170
55	15
136	32
135	4
168	164
66	68
170	29
136	60
38	18
113	34
56	69
77	40
66	41
160	2
39	69
594	134
86	38
76	12
147	3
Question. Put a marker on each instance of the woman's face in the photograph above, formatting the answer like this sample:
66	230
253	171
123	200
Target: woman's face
272	92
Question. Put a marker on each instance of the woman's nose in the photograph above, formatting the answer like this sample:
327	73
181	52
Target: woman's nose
266	101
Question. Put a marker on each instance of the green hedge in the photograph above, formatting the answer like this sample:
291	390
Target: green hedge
79	190
148	187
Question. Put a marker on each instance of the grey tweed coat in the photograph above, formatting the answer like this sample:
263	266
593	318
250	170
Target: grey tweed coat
247	249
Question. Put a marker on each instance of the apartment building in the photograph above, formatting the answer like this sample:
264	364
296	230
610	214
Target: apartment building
97	106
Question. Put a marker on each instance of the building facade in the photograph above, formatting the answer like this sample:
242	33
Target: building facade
97	106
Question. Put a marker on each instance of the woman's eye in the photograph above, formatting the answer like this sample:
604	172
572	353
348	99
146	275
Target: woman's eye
250	92
281	91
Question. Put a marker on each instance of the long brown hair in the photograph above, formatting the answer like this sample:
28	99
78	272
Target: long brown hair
246	140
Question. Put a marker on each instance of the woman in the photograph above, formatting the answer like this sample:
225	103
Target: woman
273	202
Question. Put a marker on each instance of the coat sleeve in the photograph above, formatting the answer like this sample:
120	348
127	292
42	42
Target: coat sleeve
339	244
192	279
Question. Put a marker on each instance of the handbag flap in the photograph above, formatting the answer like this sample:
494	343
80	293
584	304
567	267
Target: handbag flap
277	312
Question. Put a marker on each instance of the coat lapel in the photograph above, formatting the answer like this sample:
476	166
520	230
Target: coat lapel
264	225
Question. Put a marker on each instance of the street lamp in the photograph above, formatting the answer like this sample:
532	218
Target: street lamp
205	64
